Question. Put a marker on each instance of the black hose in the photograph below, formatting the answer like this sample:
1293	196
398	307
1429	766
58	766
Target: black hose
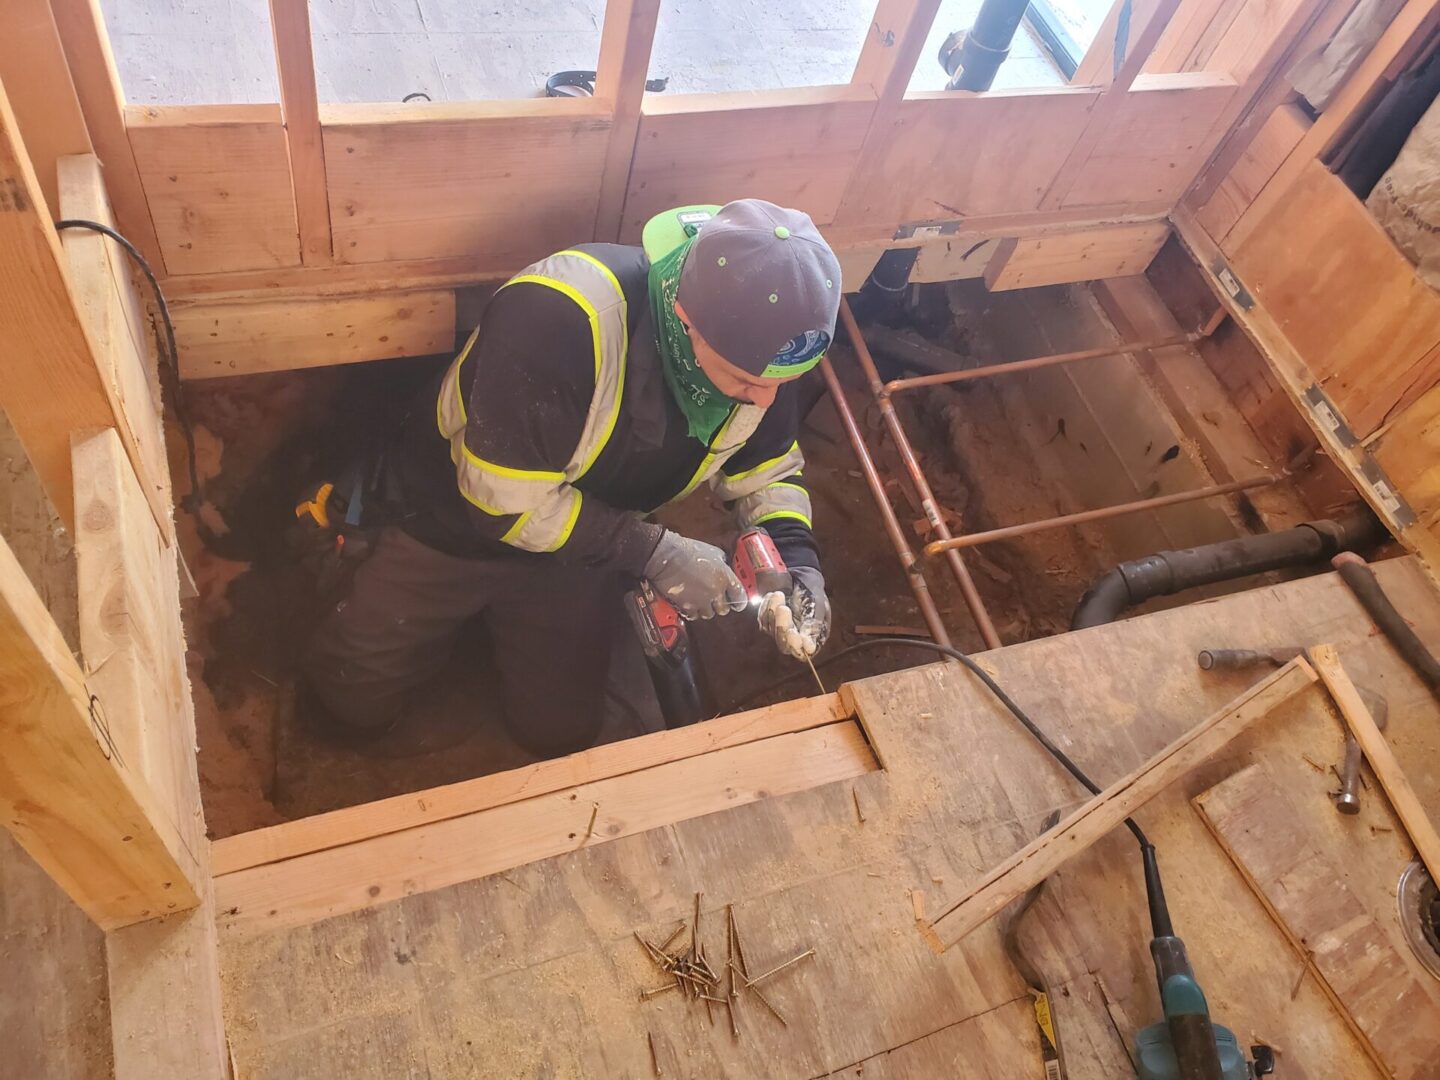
1356	573
994	688
1168	572
171	360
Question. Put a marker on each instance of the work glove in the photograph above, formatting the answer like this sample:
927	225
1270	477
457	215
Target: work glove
800	622
695	577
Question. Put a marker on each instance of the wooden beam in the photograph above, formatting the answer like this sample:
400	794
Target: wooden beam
283	335
102	278
80	809
893	44
1040	858
1398	788
1295	376
295	60
356	823
52	384
1087	255
97	85
1413	19
1381	995
312	887
625	46
1102	116
37	78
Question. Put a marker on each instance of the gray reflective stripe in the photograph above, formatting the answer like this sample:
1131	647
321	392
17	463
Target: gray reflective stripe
499	489
548	526
773	501
767	472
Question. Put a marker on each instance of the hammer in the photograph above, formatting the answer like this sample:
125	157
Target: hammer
1347	799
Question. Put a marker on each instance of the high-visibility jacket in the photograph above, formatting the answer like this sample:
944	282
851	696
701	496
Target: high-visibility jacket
553	430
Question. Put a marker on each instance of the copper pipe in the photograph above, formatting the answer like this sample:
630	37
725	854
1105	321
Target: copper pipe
914	573
917	477
971	539
895	385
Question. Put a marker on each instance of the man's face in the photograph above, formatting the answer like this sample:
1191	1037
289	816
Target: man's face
733	382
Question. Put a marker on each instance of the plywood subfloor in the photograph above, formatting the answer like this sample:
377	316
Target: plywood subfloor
534	972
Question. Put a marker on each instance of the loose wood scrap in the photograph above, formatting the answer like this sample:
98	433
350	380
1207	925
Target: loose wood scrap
1382	759
1042	856
1390	1008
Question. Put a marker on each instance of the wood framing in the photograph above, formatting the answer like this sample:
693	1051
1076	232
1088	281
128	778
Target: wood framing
35	75
625	45
295	60
277	335
55	384
81	810
365	873
383	816
1038	859
1079	256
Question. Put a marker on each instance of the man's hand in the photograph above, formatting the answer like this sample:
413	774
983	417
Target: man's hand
695	577
800	622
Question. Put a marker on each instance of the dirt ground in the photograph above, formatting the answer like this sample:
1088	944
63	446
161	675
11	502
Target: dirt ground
262	438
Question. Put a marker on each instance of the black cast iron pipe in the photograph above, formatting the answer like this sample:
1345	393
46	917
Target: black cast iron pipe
1168	572
972	57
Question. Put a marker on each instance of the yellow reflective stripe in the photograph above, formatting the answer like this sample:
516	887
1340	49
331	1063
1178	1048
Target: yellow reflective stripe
564	536
473	501
782	483
579	298
511	532
784	514
794	448
609	275
513	474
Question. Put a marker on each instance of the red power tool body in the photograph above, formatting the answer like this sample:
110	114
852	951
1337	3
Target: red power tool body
674	663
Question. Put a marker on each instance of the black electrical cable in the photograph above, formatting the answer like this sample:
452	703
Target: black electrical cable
995	688
171	365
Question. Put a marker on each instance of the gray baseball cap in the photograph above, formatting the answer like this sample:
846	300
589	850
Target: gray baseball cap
760	283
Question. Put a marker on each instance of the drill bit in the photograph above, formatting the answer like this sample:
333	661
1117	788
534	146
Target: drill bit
818	683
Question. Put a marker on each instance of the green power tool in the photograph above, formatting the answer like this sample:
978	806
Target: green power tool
1186	1045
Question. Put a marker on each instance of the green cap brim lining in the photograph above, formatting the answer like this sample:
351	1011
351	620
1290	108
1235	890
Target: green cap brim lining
664	232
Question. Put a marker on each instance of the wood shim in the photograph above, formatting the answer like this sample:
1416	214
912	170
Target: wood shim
1390	1008
1040	858
1382	759
361	875
356	823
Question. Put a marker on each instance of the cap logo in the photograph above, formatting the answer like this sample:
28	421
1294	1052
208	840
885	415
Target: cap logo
802	350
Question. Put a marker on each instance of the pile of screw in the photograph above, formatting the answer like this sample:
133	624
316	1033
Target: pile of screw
691	974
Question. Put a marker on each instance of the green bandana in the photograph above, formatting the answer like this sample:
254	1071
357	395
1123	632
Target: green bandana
704	406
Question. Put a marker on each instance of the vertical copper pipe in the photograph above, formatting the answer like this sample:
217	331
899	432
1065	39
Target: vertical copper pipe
917	477
908	560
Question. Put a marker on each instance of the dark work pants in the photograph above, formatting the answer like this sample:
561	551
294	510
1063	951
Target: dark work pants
552	627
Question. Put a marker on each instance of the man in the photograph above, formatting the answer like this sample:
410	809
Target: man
602	383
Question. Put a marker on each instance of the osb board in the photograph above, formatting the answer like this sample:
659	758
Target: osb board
278	335
797	154
1084	255
1159	138
1346	299
958	156
535	972
524	184
218	185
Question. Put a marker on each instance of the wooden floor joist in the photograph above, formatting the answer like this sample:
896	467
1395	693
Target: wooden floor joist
80	810
1035	862
368	820
320	885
